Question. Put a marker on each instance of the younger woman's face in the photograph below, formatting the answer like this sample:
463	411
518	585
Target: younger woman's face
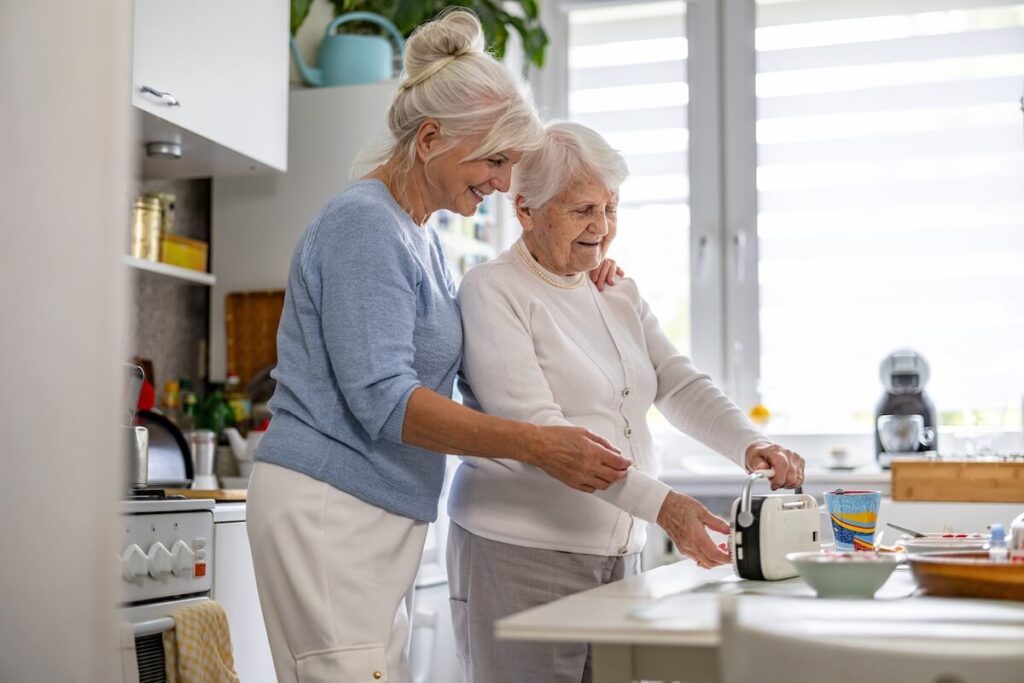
459	184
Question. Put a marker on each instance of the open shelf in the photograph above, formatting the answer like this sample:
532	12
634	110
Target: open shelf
187	274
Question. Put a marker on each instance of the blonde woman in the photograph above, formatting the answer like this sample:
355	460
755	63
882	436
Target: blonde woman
348	476
541	345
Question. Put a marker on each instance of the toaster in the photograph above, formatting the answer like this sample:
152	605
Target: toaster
766	528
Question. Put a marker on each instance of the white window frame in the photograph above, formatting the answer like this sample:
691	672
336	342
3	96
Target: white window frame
723	192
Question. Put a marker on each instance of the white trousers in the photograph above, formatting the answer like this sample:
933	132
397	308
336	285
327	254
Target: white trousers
335	577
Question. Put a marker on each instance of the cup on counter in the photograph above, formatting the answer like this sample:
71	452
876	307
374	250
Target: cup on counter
854	517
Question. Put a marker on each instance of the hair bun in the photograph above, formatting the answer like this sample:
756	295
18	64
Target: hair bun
453	33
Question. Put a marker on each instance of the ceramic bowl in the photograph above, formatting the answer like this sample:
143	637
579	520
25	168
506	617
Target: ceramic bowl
844	575
968	575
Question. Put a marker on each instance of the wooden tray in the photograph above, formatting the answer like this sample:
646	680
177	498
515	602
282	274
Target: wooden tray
968	575
958	480
250	321
221	495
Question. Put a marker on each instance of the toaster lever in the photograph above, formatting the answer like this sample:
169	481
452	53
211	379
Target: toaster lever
745	517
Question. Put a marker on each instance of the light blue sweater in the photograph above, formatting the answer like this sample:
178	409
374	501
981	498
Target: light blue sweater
369	315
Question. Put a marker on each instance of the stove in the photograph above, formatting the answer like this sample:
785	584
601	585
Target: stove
166	551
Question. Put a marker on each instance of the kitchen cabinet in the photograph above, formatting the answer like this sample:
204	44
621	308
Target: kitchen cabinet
212	77
234	586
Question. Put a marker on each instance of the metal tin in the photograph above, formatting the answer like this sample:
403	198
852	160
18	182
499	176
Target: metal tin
146	228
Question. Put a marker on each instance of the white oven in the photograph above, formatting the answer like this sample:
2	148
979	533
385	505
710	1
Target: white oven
166	562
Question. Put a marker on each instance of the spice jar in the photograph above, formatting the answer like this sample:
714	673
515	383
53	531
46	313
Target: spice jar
146	224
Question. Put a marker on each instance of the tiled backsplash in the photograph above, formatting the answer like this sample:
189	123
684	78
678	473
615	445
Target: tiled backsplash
170	319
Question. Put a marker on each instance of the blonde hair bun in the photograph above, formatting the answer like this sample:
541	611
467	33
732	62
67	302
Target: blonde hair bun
453	33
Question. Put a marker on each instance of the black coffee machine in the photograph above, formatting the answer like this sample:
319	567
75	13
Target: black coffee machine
904	417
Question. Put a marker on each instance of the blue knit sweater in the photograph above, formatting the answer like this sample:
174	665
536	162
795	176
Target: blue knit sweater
369	315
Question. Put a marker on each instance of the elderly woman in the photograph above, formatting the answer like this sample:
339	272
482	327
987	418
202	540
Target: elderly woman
542	345
348	476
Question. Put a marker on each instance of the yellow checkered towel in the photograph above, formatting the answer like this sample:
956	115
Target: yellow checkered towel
198	648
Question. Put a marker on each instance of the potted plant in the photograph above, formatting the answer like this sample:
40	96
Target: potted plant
498	23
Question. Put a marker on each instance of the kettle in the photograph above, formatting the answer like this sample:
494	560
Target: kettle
244	448
351	59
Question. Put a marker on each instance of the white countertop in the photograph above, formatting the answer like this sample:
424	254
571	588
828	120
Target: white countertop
678	605
229	512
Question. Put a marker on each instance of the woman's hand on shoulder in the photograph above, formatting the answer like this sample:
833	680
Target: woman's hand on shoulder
606	273
788	465
579	458
686	522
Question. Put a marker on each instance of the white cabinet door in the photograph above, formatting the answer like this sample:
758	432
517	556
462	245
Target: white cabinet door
226	65
234	586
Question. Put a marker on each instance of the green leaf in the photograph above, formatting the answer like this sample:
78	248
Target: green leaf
530	8
300	10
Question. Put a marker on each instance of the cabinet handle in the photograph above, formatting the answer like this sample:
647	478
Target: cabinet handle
166	97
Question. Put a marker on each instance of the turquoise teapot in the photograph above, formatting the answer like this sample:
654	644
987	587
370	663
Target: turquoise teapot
352	59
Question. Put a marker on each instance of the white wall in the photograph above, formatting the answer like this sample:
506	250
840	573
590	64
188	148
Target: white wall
64	70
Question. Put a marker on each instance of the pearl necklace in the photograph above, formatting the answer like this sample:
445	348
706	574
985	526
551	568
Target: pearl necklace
539	272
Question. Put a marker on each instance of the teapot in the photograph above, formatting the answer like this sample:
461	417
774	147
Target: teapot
351	59
244	448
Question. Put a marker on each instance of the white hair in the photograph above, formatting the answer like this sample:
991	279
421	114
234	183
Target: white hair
450	78
569	151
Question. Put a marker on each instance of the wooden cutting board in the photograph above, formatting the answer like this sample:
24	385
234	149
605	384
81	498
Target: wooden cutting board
958	481
222	495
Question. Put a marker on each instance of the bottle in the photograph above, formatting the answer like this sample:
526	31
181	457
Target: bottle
239	400
997	550
170	402
189	411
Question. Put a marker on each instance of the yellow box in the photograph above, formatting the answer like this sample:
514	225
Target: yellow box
182	251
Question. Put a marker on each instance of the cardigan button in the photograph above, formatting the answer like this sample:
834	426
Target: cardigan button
629	431
626	392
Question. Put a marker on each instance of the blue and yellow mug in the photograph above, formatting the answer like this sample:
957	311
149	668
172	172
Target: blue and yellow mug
854	516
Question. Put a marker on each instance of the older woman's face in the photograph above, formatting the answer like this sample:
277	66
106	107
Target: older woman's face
571	233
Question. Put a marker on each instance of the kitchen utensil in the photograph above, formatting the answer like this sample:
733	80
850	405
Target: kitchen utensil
170	462
904	374
854	516
766	528
352	59
844	575
897	527
137	475
203	444
244	447
968	575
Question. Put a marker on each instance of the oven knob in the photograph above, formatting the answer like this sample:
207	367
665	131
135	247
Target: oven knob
133	563
183	558
160	560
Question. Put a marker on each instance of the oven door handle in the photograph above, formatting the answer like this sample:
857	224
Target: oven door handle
148	628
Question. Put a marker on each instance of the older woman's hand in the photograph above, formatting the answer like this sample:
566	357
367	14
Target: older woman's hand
788	465
686	522
606	273
579	458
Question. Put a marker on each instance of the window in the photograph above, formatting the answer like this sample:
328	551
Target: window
816	183
627	80
890	194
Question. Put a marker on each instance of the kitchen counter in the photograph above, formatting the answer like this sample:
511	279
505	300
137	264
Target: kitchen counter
663	624
725	478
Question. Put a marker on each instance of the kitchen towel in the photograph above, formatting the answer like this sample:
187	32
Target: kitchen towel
198	648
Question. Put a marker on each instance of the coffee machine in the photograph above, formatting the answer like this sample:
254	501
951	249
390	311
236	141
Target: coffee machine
905	423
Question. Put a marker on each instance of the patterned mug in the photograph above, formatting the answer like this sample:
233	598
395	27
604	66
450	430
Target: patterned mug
854	516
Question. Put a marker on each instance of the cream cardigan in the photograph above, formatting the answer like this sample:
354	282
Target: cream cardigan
549	355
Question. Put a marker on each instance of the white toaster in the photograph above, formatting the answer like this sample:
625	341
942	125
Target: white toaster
766	528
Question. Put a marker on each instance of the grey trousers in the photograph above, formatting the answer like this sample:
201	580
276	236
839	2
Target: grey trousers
489	580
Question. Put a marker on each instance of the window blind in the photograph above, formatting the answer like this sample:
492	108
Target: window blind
891	205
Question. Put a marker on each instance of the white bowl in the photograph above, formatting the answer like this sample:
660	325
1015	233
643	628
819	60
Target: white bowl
844	575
